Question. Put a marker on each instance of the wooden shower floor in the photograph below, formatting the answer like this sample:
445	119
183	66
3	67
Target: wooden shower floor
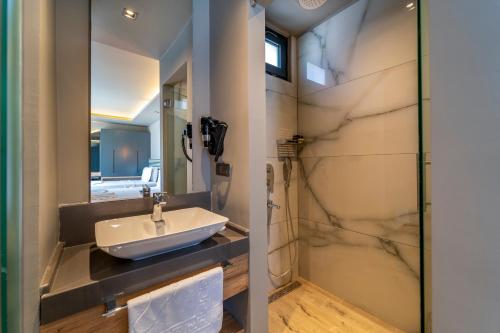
310	309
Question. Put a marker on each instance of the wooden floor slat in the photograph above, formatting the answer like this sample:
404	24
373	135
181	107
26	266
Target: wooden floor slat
230	325
310	309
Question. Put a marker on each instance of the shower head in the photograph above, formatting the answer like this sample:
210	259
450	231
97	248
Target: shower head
311	4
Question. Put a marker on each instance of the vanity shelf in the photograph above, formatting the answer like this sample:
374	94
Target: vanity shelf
92	320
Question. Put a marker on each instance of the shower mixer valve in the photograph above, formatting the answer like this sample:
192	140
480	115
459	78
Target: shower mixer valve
271	204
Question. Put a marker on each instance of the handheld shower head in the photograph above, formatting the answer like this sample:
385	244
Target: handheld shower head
287	171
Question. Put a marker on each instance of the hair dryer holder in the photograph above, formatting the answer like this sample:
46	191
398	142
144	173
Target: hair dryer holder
213	133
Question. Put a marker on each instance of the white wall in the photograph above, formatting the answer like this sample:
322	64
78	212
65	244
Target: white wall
281	123
237	95
30	165
48	224
72	58
39	141
200	85
123	83
176	65
465	85
229	84
180	54
258	316
154	131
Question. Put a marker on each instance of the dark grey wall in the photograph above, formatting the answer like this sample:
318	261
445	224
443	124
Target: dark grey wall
124	153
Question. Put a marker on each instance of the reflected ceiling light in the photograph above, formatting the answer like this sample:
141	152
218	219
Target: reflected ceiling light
110	116
410	6
130	14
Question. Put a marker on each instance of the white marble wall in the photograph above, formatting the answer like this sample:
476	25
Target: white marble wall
281	123
281	99
358	219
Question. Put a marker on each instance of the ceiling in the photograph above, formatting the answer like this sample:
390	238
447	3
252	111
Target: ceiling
289	16
123	83
157	25
150	113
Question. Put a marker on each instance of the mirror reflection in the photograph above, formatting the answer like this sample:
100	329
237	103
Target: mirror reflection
140	98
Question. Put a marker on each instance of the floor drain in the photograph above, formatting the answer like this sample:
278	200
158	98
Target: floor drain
283	291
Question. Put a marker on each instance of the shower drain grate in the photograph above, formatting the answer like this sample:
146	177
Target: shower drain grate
283	291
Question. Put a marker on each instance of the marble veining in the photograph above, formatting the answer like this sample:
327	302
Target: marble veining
332	134
315	46
365	37
374	195
319	235
357	179
376	114
309	308
377	275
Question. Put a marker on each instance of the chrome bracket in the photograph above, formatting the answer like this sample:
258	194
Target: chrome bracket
112	308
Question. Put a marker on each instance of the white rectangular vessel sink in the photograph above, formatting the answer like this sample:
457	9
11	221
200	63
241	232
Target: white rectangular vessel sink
138	237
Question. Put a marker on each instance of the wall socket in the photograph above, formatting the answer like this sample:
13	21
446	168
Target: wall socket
223	169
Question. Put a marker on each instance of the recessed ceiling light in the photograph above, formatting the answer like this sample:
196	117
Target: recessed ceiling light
130	14
311	4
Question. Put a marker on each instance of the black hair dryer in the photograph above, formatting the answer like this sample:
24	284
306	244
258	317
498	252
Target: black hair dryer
212	135
187	136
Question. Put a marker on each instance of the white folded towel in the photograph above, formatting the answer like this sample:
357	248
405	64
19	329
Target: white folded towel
188	306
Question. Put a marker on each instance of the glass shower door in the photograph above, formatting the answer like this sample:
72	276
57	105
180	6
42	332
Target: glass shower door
358	110
425	165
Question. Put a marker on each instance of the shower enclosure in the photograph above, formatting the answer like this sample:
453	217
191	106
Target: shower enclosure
359	194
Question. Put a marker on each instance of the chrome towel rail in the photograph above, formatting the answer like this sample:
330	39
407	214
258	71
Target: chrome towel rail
112	308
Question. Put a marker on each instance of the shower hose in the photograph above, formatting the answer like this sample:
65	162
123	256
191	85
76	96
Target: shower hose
287	170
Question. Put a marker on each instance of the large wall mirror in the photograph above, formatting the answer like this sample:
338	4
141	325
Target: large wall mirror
140	98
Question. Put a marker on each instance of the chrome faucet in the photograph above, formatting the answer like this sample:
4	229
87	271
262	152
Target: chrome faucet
160	200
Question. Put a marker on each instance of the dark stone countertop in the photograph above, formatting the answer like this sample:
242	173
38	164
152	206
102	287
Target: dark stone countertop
87	276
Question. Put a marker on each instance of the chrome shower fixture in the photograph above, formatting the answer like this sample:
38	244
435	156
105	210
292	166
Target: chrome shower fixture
289	148
287	171
311	4
270	178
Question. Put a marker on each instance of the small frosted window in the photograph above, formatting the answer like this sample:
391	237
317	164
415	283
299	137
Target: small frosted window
276	56
272	53
315	73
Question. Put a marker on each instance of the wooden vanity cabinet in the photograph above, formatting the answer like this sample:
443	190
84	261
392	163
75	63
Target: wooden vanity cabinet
92	320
